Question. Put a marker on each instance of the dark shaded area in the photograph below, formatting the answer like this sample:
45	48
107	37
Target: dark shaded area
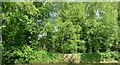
94	64
91	57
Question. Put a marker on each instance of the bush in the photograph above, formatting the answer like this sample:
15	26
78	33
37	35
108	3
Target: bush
110	56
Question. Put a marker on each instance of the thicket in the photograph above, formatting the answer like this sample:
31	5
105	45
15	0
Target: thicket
41	31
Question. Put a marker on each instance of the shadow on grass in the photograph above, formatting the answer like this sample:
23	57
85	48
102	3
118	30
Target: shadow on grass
93	64
90	57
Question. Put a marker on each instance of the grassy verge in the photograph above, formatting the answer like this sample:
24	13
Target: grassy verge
51	57
28	55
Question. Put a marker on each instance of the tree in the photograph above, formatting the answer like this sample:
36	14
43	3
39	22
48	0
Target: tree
17	27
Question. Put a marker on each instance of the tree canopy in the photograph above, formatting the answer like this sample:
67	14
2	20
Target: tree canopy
80	27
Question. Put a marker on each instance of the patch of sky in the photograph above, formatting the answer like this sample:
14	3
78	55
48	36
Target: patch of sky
41	35
97	13
53	14
38	22
56	28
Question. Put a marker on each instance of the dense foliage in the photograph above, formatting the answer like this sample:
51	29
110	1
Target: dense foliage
41	31
119	23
